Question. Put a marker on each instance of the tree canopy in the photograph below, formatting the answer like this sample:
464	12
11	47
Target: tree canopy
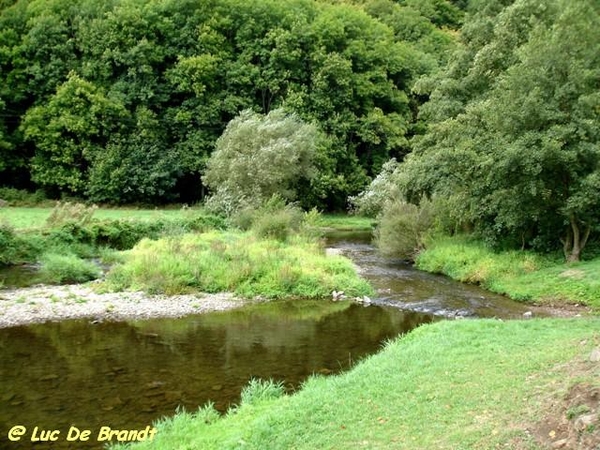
513	120
124	100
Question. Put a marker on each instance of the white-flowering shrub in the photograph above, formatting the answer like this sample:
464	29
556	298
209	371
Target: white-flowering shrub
382	189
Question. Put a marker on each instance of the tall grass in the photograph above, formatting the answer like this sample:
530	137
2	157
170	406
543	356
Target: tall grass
521	275
67	268
238	262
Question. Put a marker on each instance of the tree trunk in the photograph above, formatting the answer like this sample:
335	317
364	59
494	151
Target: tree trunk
575	241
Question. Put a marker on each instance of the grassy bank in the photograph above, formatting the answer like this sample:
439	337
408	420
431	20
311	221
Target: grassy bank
23	218
236	262
521	275
261	262
451	385
35	217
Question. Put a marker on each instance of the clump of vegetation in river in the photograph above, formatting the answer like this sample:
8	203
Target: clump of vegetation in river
448	385
240	262
67	268
522	275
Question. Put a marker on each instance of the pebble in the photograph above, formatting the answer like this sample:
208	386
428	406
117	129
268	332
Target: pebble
53	303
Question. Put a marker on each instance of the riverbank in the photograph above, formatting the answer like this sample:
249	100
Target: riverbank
450	385
53	303
521	275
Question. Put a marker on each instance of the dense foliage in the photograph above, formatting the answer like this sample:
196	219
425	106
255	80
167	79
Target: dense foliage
258	157
123	100
512	137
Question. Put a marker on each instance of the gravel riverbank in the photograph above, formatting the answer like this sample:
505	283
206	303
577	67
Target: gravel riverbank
51	303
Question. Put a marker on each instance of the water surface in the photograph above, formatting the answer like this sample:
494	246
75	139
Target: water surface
126	375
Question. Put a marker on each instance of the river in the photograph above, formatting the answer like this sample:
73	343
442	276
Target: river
125	375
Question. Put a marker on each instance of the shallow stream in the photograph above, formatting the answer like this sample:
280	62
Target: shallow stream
126	375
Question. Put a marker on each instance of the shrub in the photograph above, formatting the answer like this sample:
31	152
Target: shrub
68	212
402	227
8	244
278	223
274	219
372	200
259	156
61	268
21	197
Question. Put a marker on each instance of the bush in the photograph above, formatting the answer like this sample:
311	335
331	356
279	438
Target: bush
67	212
8	244
274	219
259	156
372	200
60	268
21	197
402	227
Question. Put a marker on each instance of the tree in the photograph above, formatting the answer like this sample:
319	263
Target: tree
523	154
260	156
69	131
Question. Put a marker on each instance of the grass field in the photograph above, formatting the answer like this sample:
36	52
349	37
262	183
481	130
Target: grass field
26	218
521	275
459	385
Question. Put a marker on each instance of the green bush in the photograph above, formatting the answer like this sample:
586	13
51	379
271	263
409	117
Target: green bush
21	197
236	262
402	227
61	268
260	156
8	244
277	224
17	248
274	219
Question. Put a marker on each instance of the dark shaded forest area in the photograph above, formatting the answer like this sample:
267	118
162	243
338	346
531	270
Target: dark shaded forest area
122	101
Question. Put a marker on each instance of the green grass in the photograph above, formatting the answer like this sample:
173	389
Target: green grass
343	222
67	268
521	275
27	218
460	385
236	262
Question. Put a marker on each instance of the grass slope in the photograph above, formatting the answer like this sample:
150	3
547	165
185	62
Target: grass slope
521	275
450	385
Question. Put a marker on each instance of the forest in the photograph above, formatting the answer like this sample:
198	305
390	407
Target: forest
481	115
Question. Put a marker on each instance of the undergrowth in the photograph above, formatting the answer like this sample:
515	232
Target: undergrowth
522	275
236	262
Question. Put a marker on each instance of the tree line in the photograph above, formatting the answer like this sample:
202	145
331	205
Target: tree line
123	100
511	127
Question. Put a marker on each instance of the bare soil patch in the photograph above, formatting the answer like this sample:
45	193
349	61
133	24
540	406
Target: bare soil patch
571	419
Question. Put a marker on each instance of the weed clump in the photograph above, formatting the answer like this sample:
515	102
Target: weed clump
236	262
76	213
261	390
61	268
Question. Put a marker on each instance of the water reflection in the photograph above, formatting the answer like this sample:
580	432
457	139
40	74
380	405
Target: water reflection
125	375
